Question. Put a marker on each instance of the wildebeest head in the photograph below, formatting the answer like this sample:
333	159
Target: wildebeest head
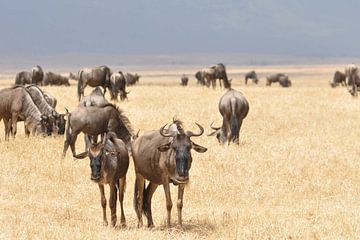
220	134
46	125
60	122
181	145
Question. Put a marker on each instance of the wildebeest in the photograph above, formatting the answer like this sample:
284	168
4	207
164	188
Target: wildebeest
109	162
16	104
50	99
131	79
184	80
51	79
233	107
251	75
349	70
98	76
200	78
339	78
95	121
96	98
162	157
281	78
34	77
118	85
216	72
353	80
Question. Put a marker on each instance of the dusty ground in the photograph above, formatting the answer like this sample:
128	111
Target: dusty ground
295	174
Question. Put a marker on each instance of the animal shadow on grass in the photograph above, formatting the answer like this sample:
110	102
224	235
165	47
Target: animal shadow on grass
199	227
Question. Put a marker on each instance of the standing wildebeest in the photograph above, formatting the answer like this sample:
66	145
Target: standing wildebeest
216	72
233	107
200	78
184	80
118	85
339	78
16	104
162	157
34	77
252	75
109	162
95	121
131	79
51	79
98	76
282	78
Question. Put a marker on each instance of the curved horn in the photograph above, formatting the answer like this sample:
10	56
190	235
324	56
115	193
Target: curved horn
191	134
164	134
214	128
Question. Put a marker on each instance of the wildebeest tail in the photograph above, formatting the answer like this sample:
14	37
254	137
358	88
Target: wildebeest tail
136	190
234	122
79	84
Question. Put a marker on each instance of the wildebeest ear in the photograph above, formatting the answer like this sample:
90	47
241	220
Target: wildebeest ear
165	147
198	148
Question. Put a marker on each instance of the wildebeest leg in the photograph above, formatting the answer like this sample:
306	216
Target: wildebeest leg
103	204
147	203
168	201
139	191
213	83
220	83
236	138
14	118
26	127
112	202
180	202
122	183
7	125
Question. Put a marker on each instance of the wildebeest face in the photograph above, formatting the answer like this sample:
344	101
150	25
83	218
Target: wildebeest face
96	153
46	124
61	123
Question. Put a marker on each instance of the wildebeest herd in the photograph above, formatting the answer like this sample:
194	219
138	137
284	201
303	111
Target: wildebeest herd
161	157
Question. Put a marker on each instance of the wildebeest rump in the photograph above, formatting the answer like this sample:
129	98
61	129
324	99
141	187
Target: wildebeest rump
162	157
184	80
233	107
339	78
51	79
95	121
281	78
131	79
109	162
251	75
98	76
16	104
118	85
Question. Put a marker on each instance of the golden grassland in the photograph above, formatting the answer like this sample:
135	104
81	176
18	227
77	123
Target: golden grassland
295	174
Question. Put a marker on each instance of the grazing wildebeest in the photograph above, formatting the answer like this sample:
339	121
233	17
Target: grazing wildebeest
16	104
251	75
162	157
282	78
109	162
233	107
118	85
131	79
184	80
216	72
51	79
95	121
34	77
200	78
50	99
98	76
57	119
96	98
339	78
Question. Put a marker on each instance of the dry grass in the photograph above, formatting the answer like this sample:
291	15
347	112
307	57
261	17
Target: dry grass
295	174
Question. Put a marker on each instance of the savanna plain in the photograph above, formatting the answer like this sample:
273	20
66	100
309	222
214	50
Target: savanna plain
294	175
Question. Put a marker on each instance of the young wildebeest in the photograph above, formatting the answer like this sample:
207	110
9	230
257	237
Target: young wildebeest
339	78
131	79
184	80
282	78
98	76
34	77
95	121
55	79
118	85
16	104
162	157
109	162
233	107
251	75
